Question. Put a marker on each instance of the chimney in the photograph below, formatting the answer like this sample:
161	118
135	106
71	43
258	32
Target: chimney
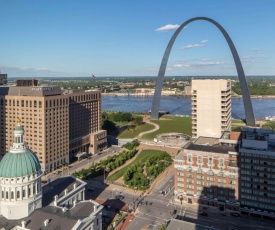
23	224
46	222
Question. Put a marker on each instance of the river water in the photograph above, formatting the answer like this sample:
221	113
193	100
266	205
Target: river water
182	105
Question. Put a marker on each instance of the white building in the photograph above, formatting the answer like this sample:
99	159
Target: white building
20	179
26	205
211	107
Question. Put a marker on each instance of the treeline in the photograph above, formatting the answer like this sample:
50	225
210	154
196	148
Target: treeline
260	89
109	164
140	175
109	120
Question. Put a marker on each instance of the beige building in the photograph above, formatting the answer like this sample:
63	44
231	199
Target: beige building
58	124
211	107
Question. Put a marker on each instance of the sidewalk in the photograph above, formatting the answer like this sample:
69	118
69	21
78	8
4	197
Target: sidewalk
125	223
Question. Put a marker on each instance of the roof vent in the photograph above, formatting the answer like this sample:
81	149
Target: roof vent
46	222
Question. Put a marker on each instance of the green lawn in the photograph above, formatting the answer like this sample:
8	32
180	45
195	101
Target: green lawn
136	132
171	124
142	157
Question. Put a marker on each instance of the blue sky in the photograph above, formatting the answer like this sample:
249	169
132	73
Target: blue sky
128	38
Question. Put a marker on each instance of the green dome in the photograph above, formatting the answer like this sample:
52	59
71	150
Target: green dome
19	164
19	128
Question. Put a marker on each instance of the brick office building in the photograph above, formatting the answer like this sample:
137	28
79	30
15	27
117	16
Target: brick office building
234	172
206	172
58	124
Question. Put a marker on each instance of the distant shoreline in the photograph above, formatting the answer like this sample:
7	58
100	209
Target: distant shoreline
174	95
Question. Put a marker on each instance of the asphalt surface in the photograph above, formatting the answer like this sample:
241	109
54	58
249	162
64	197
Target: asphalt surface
161	208
83	163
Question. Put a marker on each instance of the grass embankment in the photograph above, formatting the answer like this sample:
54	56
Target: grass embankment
142	157
168	124
236	125
134	133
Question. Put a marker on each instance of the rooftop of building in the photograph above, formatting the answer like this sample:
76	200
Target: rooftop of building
210	141
180	224
38	91
214	149
58	219
58	187
236	136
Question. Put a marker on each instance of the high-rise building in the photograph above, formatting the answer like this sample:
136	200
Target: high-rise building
211	107
58	124
3	79
257	171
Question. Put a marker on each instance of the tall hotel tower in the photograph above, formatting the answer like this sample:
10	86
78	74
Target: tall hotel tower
58	124
211	107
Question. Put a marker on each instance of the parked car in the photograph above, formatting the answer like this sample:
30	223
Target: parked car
203	213
235	214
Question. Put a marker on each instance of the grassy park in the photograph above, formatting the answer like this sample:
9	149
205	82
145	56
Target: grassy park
142	157
169	124
134	133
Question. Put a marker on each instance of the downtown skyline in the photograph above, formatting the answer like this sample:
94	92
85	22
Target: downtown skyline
65	38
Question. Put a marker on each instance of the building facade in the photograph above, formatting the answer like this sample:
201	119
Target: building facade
3	79
211	107
58	124
207	175
20	179
235	172
257	171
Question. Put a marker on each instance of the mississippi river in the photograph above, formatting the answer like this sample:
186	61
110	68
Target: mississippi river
182	105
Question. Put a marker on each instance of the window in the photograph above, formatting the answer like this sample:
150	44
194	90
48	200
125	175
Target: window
210	160
221	162
199	159
189	158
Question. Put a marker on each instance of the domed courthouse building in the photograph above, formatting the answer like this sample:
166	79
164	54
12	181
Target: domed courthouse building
26	205
20	179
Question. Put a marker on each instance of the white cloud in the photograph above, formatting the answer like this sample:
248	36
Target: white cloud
204	41
208	63
256	50
168	27
179	65
191	46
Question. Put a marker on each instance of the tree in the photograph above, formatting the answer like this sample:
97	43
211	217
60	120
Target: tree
110	127
269	125
138	120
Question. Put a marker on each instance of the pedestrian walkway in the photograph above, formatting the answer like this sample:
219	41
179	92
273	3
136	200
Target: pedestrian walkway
125	223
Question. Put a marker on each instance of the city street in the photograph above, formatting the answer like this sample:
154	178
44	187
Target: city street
83	163
159	206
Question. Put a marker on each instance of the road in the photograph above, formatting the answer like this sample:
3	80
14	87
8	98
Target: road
161	208
86	162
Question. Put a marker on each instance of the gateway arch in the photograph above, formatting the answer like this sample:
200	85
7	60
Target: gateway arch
249	114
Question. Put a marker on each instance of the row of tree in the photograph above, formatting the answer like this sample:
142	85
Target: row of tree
139	177
109	120
109	164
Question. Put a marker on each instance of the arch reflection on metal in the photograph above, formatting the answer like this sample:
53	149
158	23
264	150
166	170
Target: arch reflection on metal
249	114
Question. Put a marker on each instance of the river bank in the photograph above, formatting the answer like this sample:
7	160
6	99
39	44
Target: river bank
179	95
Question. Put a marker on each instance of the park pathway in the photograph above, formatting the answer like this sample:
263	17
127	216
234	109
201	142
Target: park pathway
146	119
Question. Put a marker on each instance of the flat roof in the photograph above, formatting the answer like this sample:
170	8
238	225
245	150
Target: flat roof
57	218
207	141
57	187
214	149
180	224
38	91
